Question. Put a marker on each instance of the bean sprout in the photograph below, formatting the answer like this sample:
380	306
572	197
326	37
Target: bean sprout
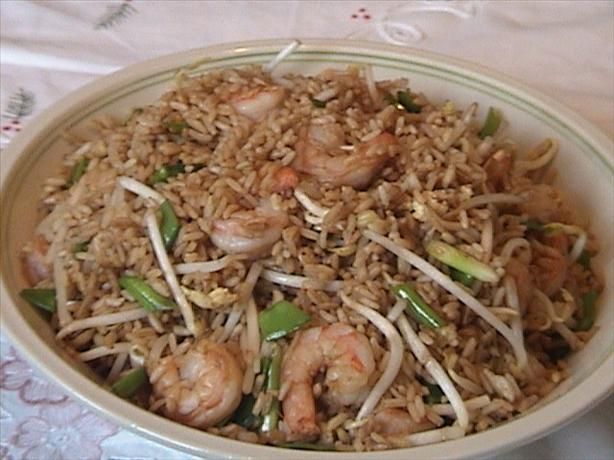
450	286
435	369
169	275
102	320
396	354
283	54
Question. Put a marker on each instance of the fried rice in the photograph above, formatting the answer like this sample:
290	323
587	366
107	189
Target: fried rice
326	192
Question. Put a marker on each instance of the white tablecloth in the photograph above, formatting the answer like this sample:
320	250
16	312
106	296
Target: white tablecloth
564	49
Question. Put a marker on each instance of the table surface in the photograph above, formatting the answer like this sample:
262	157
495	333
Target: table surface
563	49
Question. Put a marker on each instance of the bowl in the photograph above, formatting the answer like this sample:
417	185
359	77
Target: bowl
586	170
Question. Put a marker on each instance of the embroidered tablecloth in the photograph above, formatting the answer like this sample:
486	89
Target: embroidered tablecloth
564	49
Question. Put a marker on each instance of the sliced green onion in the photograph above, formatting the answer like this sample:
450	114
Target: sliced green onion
165	172
391	99
78	170
435	394
404	98
463	262
318	103
588	302
534	225
556	227
273	382
305	446
243	415
585	260
491	124
145	295
80	247
417	307
461	277
41	298
169	228
176	127
130	383
281	319
264	366
559	349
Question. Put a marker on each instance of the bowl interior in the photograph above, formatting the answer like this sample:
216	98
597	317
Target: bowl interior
584	165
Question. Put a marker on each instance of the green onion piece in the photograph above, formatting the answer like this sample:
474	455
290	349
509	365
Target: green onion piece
585	260
455	258
169	228
318	103
393	101
534	225
435	394
558	353
176	127
165	172
588	302
407	102
129	384
390	99
463	278
144	294
41	298
77	171
264	366
273	382
417	307
491	124
558	349
281	319
305	446
80	247
243	415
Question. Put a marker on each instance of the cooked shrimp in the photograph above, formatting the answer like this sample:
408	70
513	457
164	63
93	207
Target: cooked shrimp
251	232
319	154
285	178
257	102
347	358
551	264
542	202
396	422
35	267
523	279
199	388
498	168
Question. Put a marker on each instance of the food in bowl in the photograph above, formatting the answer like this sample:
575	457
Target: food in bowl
323	262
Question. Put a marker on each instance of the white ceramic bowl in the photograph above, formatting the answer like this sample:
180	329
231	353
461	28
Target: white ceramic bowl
586	170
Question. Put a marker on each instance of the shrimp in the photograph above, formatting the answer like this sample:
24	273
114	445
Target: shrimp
257	102
551	264
542	202
347	357
285	178
523	279
498	168
35	266
201	387
396	422
319	154
251	232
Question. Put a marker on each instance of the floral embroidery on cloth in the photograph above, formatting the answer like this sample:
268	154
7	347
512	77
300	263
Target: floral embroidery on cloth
20	105
61	432
115	14
398	24
17	375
